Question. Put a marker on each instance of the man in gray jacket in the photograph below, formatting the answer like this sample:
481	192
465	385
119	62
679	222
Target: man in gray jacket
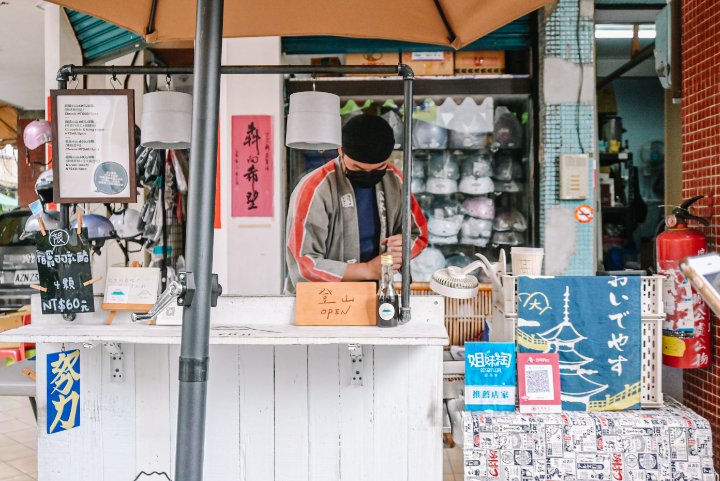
343	215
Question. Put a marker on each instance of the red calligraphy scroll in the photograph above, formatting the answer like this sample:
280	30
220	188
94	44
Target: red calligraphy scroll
252	166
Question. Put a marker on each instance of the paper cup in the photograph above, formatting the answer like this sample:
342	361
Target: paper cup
527	261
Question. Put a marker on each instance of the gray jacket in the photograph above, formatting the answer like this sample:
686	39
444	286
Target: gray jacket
322	223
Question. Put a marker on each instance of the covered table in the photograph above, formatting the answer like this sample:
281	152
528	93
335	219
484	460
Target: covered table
668	444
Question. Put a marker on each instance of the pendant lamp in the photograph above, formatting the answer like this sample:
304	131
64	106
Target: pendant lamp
314	121
166	120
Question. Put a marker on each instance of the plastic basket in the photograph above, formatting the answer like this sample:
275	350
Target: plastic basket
464	318
652	315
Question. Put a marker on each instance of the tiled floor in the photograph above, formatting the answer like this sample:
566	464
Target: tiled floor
452	464
18	440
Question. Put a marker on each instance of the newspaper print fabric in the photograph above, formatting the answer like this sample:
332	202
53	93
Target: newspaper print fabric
594	324
668	444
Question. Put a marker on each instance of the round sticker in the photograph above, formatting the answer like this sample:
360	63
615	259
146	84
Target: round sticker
110	178
387	311
584	214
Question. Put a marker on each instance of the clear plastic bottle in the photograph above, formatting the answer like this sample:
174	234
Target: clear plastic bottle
388	302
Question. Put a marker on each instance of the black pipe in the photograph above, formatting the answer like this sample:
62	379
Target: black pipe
406	197
639	57
194	348
676	50
69	71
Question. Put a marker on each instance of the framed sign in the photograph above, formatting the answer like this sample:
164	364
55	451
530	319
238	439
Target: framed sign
93	146
131	288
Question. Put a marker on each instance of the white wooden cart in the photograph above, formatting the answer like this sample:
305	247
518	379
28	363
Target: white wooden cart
284	402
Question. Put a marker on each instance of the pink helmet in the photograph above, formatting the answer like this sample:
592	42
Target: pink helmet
37	133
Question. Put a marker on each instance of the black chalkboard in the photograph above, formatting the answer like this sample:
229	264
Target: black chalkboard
63	260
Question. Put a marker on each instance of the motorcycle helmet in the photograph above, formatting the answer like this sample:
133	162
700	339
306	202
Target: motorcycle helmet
512	218
44	186
461	260
480	207
442	240
427	135
476	185
445	218
441	186
476	165
417	186
51	220
467	140
426	263
419	165
507	131
474	227
127	224
394	118
37	133
475	241
99	228
507	186
443	165
507	238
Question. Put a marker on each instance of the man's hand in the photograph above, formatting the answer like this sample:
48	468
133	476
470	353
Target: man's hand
393	243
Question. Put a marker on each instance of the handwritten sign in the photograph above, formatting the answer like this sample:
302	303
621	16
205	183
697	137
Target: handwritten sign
335	304
131	288
63	260
94	145
252	166
63	390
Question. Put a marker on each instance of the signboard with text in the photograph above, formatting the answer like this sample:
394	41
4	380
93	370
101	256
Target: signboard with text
93	146
252	166
63	261
335	304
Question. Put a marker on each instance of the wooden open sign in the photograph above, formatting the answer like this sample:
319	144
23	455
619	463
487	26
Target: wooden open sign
335	304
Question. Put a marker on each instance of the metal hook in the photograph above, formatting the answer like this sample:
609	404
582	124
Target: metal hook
168	80
113	77
313	81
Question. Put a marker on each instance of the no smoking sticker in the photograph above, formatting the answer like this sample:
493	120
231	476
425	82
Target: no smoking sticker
584	214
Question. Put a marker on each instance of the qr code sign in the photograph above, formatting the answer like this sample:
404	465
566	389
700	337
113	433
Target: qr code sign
538	383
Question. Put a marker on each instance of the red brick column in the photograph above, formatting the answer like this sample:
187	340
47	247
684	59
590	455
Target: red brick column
701	171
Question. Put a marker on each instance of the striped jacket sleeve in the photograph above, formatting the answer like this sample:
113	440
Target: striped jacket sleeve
307	233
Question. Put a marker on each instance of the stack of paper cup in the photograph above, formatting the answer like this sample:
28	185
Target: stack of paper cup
527	261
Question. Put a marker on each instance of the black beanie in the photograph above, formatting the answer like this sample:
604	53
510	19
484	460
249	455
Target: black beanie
368	139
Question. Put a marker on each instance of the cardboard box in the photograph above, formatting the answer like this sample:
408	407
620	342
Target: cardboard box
377	58
429	63
479	62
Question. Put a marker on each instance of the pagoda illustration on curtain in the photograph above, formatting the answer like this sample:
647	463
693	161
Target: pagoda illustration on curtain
595	328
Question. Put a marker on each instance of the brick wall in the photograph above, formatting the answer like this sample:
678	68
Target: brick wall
701	171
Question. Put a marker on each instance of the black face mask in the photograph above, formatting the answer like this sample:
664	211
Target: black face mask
361	178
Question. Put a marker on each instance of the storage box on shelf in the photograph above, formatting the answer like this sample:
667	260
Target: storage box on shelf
652	314
464	318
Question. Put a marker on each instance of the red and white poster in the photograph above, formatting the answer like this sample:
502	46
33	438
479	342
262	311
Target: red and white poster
539	383
252	166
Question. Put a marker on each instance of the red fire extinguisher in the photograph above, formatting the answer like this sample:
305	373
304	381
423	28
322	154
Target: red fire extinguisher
686	330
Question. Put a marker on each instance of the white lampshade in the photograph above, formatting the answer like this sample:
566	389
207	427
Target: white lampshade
166	120
314	121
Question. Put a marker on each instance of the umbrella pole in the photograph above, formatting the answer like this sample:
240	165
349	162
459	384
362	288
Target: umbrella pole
194	350
408	76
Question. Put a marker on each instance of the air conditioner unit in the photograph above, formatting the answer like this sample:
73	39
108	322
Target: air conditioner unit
663	47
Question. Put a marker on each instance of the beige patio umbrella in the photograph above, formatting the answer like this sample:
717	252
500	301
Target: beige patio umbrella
8	125
440	22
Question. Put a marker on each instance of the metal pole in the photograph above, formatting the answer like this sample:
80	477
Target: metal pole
406	192
194	349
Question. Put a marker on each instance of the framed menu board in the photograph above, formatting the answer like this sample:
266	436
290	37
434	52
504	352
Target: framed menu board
93	146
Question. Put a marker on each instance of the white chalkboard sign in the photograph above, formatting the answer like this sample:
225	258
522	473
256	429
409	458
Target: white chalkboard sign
131	288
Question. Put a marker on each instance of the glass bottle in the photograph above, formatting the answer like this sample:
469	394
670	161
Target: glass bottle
388	314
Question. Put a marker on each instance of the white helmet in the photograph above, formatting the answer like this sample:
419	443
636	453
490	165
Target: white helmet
127	224
417	186
472	227
441	186
476	185
51	220
426	263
